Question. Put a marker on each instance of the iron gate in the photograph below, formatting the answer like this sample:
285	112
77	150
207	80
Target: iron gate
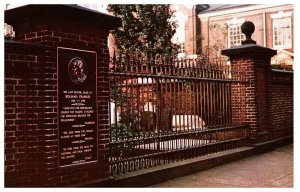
163	110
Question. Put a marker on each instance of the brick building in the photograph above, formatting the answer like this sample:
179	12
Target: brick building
187	29
220	27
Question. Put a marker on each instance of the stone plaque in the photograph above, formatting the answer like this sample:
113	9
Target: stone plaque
77	106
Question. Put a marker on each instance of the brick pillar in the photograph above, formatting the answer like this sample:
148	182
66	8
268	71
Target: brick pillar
38	86
254	61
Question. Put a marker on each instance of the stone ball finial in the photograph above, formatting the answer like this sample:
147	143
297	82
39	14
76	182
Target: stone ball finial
248	29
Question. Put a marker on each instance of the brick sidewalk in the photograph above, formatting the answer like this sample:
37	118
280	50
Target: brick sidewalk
273	169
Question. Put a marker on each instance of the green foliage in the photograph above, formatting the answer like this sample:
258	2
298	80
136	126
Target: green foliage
147	28
120	131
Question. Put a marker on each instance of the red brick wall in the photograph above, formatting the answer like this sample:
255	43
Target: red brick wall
254	62
246	65
24	115
281	103
31	127
261	77
269	93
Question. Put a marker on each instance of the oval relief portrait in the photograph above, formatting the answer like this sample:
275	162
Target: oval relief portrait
77	70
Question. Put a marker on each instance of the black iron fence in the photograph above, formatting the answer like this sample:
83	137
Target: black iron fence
164	110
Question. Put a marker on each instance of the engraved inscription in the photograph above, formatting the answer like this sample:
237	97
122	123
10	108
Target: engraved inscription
77	110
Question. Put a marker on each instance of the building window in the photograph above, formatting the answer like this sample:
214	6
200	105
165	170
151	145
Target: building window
235	35
282	30
181	51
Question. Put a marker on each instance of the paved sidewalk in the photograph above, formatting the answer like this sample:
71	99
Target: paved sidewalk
273	169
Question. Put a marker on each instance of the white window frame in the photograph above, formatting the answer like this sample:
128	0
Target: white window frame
235	22
284	32
181	50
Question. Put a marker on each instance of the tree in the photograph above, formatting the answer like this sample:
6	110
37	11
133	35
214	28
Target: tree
147	28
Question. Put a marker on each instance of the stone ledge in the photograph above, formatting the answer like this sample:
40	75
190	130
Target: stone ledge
271	145
151	176
158	174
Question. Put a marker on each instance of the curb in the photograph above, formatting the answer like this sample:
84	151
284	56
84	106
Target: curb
158	174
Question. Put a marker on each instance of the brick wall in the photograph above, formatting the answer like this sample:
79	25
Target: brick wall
24	113
31	123
269	92
254	62
281	103
246	65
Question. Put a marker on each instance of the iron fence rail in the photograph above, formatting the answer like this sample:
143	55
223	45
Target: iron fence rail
163	112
